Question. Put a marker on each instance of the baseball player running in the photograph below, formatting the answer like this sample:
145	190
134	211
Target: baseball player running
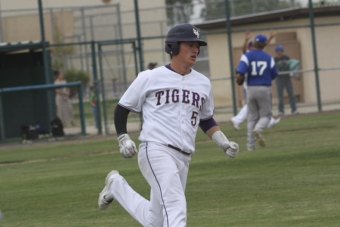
241	116
260	70
175	100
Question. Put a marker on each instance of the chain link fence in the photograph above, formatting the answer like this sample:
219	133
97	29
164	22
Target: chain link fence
101	41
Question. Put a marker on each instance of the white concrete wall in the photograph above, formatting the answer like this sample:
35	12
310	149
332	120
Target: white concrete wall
328	51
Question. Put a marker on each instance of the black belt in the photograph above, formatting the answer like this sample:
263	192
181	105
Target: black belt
179	150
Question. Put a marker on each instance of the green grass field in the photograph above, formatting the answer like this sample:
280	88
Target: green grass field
294	181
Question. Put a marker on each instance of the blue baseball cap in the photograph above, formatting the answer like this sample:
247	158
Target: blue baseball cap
262	39
279	48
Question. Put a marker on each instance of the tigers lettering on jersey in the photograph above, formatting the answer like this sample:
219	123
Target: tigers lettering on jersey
172	105
176	95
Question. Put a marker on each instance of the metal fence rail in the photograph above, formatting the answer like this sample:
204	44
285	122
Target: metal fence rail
103	41
77	85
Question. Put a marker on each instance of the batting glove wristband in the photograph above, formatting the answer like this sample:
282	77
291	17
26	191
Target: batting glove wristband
127	147
230	148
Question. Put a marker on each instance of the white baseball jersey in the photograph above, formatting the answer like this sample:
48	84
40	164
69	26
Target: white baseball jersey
172	105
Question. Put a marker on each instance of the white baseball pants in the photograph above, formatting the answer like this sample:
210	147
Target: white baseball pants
242	115
166	171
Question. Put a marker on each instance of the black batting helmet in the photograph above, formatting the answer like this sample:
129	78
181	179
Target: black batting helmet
181	33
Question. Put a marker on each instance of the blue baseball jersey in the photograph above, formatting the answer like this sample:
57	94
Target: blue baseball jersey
259	67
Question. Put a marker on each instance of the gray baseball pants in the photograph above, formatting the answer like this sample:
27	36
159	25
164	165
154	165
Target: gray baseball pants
259	101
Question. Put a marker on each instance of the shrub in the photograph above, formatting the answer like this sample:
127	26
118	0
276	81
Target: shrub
73	75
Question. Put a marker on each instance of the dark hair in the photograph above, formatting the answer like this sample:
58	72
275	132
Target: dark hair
250	44
260	46
56	73
152	65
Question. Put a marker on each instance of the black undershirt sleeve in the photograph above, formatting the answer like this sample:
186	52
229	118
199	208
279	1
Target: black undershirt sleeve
120	118
207	124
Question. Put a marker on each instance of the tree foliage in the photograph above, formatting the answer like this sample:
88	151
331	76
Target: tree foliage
60	52
216	9
259	6
172	2
178	11
73	75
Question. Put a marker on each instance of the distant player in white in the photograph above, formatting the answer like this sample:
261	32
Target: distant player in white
175	100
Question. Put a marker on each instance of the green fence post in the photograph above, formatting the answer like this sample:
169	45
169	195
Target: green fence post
95	81
231	60
81	110
2	126
315	56
139	37
96	86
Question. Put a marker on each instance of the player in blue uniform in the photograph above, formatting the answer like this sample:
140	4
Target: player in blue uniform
261	70
241	116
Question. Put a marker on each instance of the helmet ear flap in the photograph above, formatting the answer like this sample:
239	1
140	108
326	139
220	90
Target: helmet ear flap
168	48
172	48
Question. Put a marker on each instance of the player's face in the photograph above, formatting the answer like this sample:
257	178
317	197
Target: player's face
61	76
279	53
189	52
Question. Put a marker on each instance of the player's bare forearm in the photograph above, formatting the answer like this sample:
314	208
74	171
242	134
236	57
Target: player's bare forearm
245	43
212	130
239	79
271	37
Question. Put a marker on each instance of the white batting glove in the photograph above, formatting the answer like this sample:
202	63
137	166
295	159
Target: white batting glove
230	148
127	147
233	150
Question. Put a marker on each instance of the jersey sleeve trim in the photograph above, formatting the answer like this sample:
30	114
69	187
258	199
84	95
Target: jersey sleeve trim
130	109
207	124
244	59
